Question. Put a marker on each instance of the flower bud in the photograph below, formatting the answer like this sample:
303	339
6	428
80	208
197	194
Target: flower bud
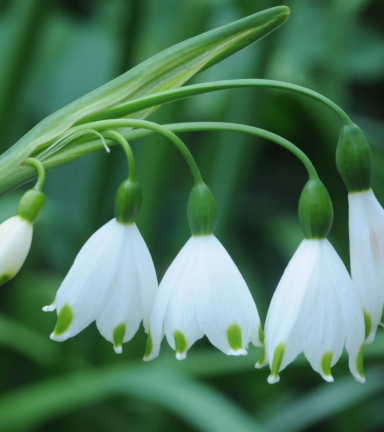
353	159
315	210
15	241
128	202
201	210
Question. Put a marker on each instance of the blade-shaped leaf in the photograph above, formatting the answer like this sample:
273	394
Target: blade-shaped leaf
195	402
168	69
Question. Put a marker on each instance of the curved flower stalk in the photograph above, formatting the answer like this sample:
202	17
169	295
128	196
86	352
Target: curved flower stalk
112	281
366	237
203	293
16	232
166	70
315	308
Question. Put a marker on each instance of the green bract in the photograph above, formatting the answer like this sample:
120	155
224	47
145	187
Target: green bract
315	210
201	210
168	69
30	205
128	202
353	159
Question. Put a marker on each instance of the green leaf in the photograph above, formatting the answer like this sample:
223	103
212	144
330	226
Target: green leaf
196	403
27	342
168	69
325	401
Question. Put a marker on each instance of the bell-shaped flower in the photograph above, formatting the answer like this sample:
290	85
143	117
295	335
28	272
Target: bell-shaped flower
316	310
112	281
203	293
366	237
16	232
15	241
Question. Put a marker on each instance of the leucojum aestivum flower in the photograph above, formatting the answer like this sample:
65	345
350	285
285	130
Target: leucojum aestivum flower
317	309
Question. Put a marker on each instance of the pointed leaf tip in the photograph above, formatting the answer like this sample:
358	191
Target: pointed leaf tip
168	69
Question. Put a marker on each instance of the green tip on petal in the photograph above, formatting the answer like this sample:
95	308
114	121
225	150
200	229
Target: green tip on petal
262	360
181	345
360	364
276	363
234	337
149	346
5	278
64	320
261	335
326	366
118	336
382	317
368	323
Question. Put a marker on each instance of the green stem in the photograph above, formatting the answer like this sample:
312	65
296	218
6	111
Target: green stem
193	90
127	149
133	123
235	127
40	172
204	126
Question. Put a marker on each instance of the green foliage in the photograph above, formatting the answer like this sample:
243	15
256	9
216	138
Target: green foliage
70	48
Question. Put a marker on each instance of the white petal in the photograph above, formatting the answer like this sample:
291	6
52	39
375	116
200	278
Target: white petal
122	313
90	278
366	234
180	324
351	313
327	332
160	304
289	315
15	242
226	306
146	273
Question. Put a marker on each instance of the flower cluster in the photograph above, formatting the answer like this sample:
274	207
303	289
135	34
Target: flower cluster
317	308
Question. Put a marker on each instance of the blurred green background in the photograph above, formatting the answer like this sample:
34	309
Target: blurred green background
53	52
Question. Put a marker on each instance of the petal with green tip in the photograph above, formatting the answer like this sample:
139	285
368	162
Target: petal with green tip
366	238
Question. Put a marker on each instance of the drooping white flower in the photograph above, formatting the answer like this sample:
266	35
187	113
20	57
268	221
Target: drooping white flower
366	237
316	310
203	293
15	242
112	281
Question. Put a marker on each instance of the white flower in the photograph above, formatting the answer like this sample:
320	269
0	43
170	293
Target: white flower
15	241
203	292
366	237
112	281
315	310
